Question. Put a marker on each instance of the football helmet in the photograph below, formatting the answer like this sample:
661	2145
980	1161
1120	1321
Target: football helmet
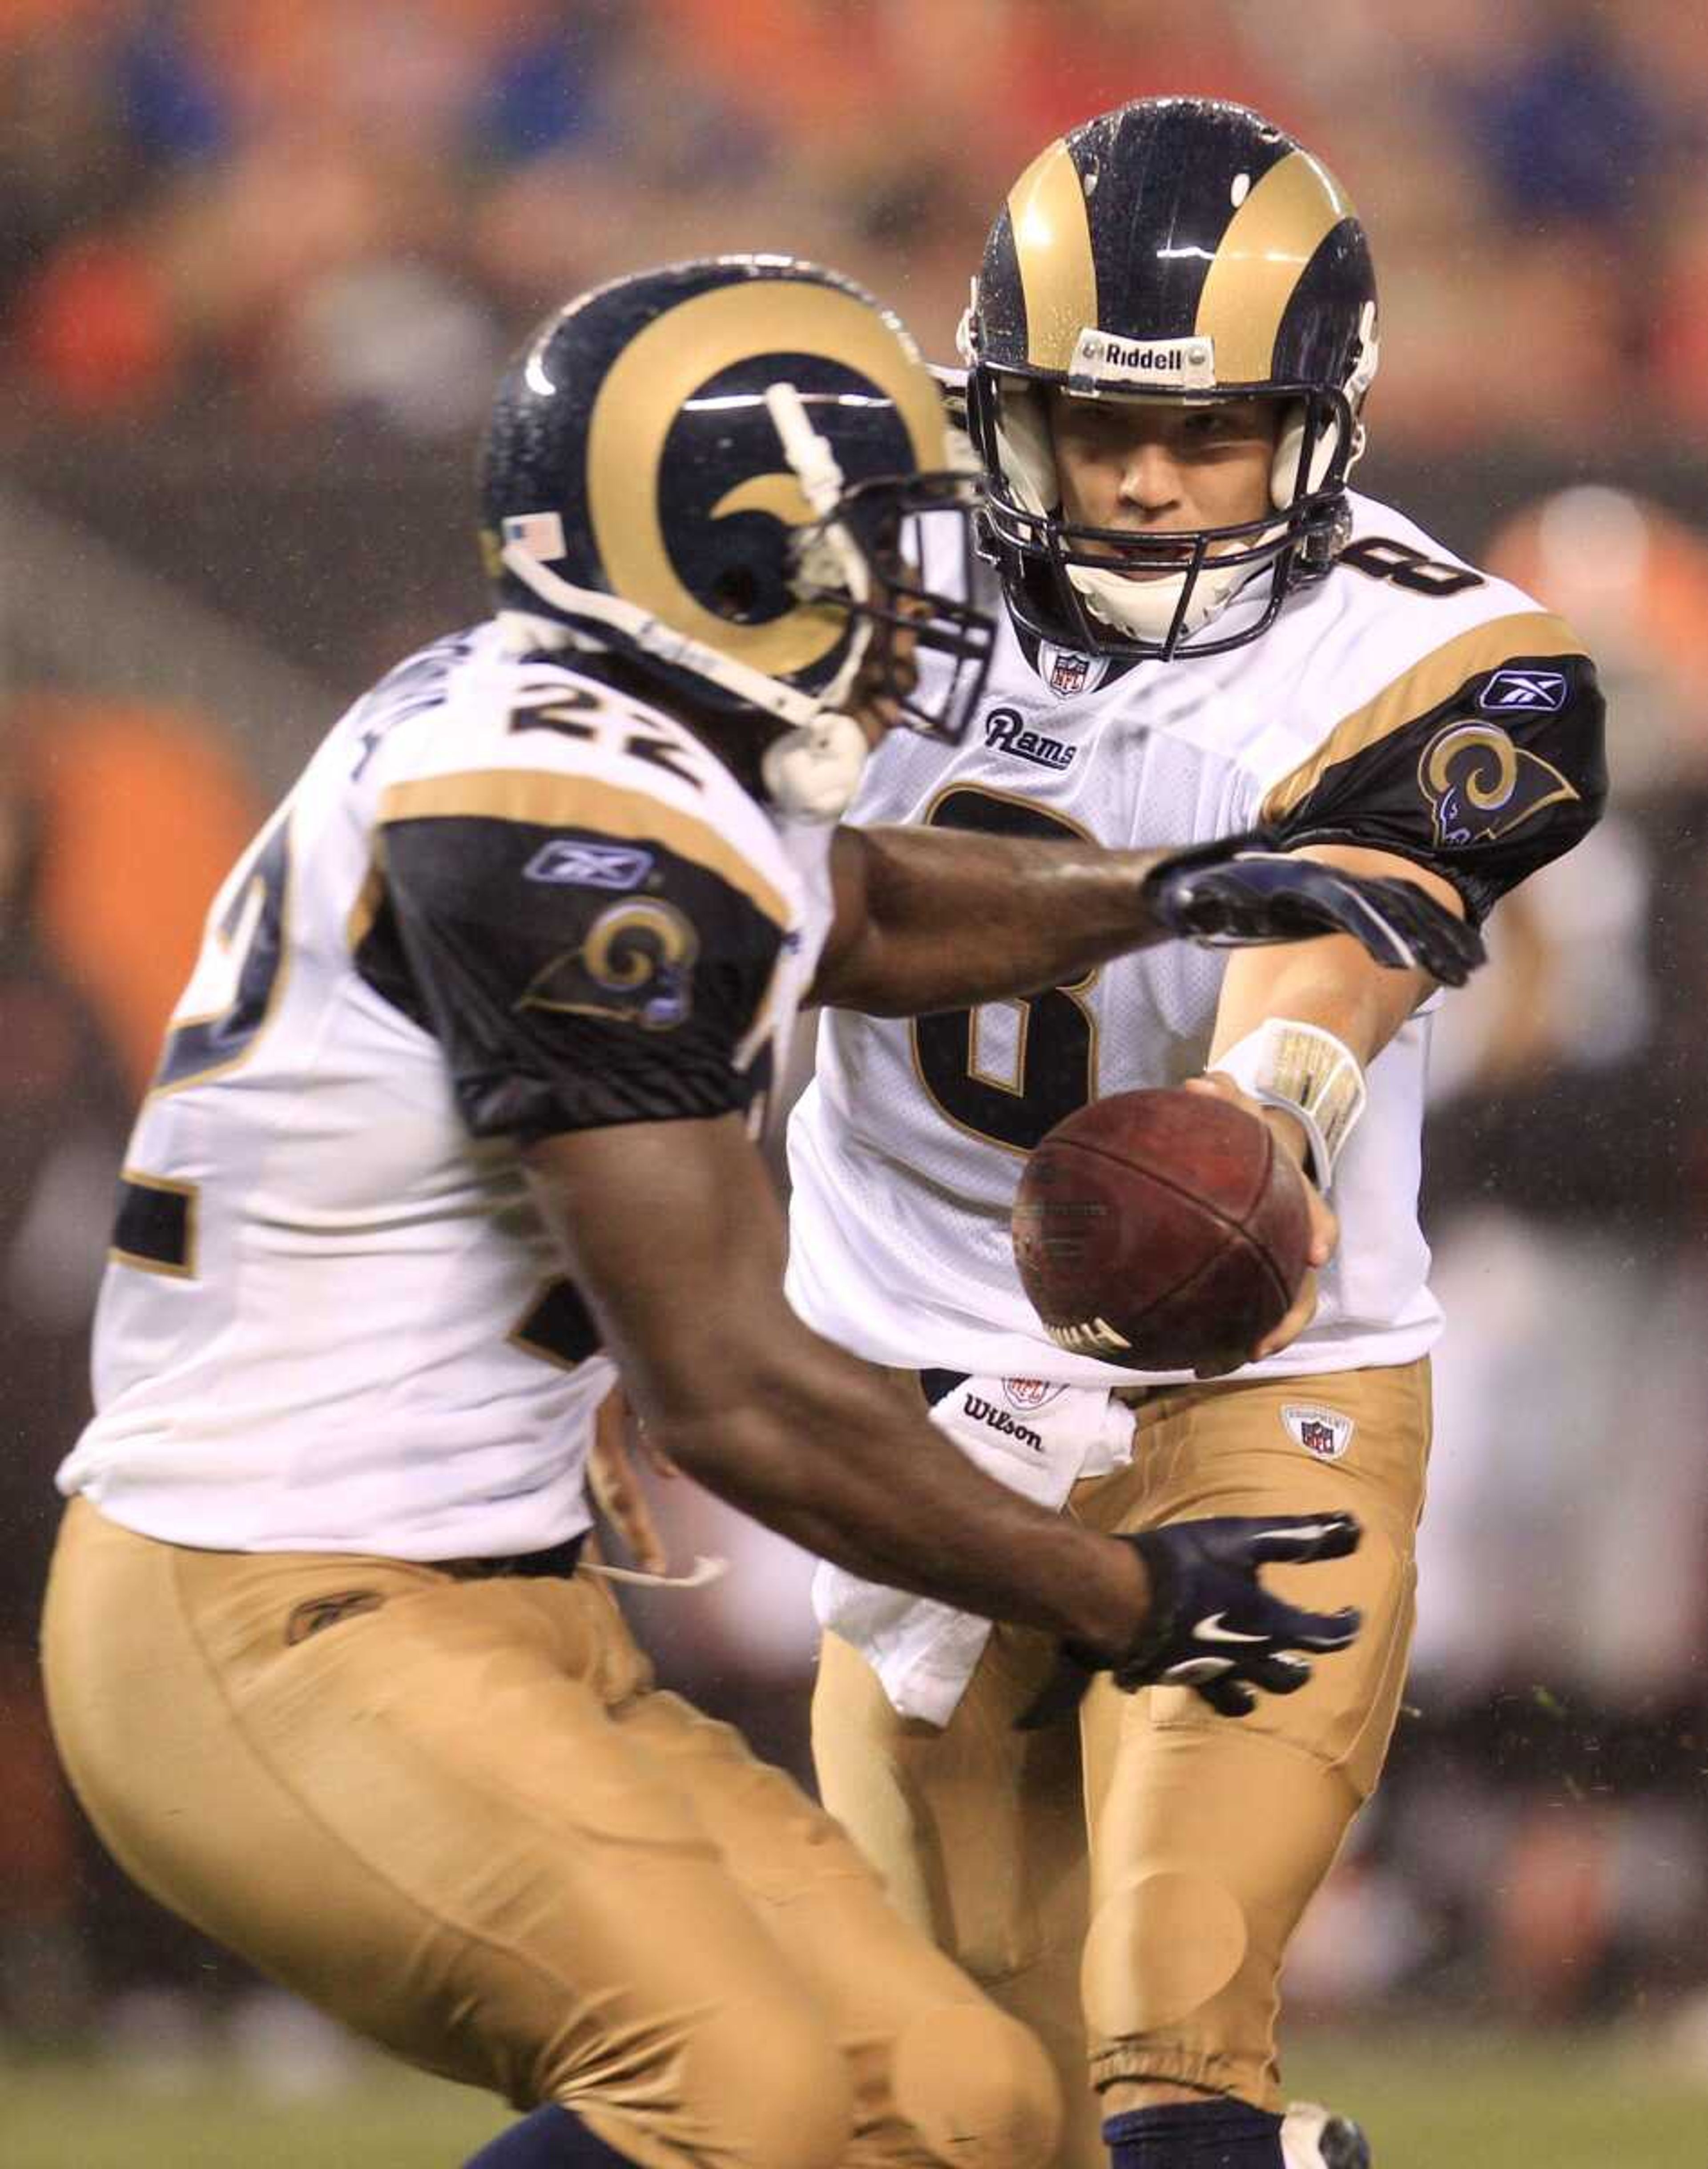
1178	249
719	469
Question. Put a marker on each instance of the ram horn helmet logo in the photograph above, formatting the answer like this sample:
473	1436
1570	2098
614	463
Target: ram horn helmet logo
1481	787
672	359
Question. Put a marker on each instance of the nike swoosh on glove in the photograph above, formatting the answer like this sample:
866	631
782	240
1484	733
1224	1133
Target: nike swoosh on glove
1212	1626
1239	893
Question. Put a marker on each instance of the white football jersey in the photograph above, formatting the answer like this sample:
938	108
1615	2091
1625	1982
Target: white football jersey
503	902
1405	701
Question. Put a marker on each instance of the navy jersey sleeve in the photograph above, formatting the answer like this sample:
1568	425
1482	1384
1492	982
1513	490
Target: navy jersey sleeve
577	973
1483	761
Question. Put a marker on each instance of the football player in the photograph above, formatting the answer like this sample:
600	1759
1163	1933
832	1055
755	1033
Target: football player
461	1096
1170	341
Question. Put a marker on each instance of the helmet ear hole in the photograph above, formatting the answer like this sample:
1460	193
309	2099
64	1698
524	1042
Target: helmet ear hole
734	594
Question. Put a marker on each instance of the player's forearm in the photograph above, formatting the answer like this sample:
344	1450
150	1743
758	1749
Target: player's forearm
954	920
675	1240
820	1448
1332	982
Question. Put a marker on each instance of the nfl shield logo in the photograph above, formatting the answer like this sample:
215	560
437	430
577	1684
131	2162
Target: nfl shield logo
1068	673
1324	1433
1030	1393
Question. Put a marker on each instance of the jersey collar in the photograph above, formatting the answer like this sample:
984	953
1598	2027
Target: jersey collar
1067	672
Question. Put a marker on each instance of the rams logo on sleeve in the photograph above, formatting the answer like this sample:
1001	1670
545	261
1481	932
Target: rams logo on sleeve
1481	787
636	963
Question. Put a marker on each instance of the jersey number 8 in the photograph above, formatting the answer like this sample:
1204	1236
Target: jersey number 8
1052	1062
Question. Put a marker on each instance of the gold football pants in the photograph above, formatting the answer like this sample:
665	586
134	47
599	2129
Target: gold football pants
456	1814
1154	1953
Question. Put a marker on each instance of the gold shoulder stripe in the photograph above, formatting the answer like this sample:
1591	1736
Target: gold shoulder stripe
548	799
1433	679
1261	258
360	924
1052	246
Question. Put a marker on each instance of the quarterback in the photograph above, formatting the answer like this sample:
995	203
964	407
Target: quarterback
1169	345
461	1096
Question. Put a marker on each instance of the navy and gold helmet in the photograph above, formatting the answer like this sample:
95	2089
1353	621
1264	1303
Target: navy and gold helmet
1177	248
718	470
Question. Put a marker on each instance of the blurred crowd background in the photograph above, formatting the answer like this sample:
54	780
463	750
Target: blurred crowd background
259	264
314	210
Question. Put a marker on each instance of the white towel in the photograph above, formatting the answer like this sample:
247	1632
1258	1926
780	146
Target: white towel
1036	1438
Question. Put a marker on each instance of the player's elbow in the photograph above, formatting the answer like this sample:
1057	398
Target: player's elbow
743	1452
744	1424
722	1407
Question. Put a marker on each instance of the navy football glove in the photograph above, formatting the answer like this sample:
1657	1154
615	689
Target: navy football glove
1240	893
1212	1625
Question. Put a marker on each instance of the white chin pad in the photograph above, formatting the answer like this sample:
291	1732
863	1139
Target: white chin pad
812	773
1145	608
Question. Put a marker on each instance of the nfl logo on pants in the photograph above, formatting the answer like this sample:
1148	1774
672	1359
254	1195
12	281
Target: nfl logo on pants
1325	1434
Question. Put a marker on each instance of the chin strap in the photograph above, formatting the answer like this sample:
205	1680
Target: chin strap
811	771
654	638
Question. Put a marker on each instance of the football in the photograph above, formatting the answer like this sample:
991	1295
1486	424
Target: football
1161	1230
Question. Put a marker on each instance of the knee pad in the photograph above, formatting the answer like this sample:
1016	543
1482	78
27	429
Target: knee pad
977	2089
1159	1950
